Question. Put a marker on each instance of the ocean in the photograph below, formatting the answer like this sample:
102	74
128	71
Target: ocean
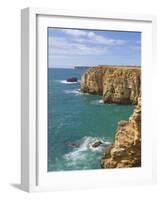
76	121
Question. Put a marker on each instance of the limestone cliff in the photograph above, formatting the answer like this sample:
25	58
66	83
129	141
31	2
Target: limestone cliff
126	150
116	84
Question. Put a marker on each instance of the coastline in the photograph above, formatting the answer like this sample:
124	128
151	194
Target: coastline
76	121
126	149
120	85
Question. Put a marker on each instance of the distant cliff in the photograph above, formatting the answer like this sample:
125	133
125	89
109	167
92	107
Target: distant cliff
126	150
116	84
82	67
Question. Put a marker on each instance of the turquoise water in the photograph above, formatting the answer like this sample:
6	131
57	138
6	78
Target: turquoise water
79	119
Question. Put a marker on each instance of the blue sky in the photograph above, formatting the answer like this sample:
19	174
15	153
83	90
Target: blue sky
81	47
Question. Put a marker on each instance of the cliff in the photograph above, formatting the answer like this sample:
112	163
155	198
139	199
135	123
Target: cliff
116	84
121	85
126	150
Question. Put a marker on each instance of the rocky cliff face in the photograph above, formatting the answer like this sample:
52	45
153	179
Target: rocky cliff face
126	150
121	85
116	84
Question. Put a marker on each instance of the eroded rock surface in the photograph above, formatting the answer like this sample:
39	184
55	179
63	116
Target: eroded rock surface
116	84
126	150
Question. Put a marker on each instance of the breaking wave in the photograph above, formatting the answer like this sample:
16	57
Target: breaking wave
85	151
66	82
75	91
97	102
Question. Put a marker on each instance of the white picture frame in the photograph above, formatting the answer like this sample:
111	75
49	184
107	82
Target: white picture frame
34	176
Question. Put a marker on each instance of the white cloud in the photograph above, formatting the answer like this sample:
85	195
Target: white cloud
75	32
104	40
58	42
82	43
60	46
91	37
91	34
135	47
100	40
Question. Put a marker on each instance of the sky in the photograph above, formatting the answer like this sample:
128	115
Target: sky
68	48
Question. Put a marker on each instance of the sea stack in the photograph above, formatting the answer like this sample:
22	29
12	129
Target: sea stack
117	84
72	79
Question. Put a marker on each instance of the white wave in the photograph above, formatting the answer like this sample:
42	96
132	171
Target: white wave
66	82
99	148
97	102
76	92
101	101
85	147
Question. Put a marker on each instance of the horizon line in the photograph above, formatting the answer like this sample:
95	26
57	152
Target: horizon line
129	65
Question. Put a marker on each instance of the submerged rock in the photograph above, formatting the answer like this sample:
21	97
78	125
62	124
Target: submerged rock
72	144
118	84
96	144
126	150
72	79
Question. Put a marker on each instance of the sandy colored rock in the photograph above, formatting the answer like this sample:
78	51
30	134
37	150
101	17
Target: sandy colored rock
116	84
126	150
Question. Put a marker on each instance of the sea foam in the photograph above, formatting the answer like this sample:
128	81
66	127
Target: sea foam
85	148
76	92
97	102
66	82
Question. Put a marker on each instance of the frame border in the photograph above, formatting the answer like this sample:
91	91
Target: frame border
29	144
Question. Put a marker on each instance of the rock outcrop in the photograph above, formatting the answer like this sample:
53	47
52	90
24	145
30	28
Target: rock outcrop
72	79
97	143
126	150
118	84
